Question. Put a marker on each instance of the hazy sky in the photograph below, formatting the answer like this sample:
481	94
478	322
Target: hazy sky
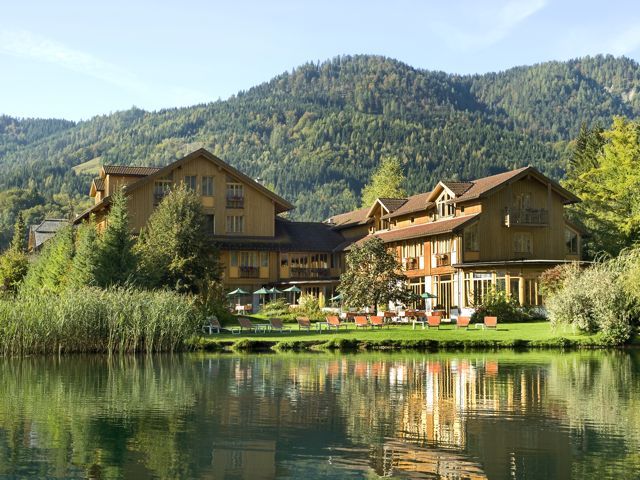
75	59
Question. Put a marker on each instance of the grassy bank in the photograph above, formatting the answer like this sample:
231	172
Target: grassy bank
516	335
97	321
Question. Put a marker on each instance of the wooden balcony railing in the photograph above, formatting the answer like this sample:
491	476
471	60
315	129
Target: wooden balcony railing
443	259
249	272
235	202
411	263
526	216
298	272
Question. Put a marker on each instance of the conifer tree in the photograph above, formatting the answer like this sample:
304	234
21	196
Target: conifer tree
85	264
173	249
14	263
18	243
49	271
117	262
388	181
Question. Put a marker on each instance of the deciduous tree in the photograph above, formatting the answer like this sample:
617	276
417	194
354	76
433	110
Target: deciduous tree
388	181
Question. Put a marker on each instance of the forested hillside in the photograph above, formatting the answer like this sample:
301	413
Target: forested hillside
315	134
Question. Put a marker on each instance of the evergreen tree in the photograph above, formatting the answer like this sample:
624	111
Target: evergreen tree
609	188
86	261
173	249
117	261
14	263
373	276
50	270
388	181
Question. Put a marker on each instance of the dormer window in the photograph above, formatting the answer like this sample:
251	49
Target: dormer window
445	209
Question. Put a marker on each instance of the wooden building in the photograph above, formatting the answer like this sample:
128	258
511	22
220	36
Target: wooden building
462	239
457	241
258	246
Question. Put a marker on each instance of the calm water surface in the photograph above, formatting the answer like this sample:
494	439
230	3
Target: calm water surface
460	416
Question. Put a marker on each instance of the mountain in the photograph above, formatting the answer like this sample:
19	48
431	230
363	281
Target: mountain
316	133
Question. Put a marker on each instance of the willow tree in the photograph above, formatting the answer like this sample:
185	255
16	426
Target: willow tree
372	276
387	182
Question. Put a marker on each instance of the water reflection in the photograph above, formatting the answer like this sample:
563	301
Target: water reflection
466	416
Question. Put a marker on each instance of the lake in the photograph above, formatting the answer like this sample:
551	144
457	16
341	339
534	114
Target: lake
533	415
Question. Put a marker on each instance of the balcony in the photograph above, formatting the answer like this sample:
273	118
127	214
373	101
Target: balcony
532	217
443	259
411	263
249	272
235	202
297	272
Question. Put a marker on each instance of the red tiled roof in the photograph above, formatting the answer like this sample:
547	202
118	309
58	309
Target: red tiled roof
129	171
354	217
424	229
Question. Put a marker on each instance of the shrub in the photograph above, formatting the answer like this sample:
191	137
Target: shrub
276	308
596	299
309	306
506	308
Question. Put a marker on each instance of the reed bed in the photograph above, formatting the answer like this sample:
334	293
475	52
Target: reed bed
92	320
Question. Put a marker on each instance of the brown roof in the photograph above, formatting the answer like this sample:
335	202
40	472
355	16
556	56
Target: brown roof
99	183
458	188
414	203
424	229
354	217
392	204
485	184
129	171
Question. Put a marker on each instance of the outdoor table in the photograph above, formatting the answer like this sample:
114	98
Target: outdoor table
240	308
479	325
319	326
423	322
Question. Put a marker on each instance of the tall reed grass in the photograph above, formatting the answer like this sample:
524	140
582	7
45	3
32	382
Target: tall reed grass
122	320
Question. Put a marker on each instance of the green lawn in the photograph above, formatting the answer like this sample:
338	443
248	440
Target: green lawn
534	334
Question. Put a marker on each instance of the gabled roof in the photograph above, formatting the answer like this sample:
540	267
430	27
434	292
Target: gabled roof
349	219
289	237
281	205
457	188
414	203
424	229
46	230
97	185
392	204
128	171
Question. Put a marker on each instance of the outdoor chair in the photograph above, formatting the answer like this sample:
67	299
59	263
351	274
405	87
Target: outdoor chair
304	323
434	321
390	316
361	321
334	322
463	322
491	322
246	324
377	321
211	323
278	325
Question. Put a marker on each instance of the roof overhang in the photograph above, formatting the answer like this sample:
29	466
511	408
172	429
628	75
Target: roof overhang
523	262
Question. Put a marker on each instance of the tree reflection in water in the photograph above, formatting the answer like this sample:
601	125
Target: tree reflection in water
502	415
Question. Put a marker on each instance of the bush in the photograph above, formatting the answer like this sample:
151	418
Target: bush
309	306
596	299
276	308
506	308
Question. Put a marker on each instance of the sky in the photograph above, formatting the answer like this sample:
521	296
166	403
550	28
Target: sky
75	59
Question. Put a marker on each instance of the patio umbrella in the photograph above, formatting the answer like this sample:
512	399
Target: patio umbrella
336	298
428	296
293	290
238	292
263	291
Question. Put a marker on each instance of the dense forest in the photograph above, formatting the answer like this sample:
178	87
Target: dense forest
315	134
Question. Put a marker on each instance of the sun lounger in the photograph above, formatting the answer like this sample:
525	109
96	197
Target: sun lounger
211	323
334	322
361	321
246	324
304	323
463	322
433	321
277	325
491	322
419	318
377	321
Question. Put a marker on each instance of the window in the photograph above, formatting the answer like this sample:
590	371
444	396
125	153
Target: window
234	259
523	201
571	241
235	195
161	188
235	224
412	249
444	208
190	182
471	242
441	246
522	243
207	186
477	286
264	259
210	224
